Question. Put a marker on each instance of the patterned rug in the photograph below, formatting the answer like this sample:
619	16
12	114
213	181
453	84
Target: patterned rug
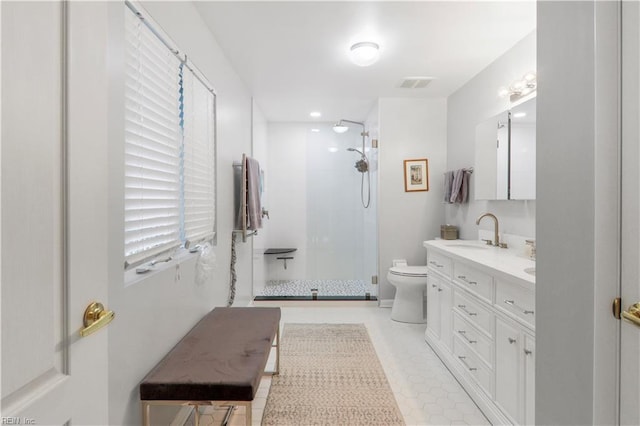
329	375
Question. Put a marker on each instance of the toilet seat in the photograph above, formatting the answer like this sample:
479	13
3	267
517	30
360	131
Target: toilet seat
409	271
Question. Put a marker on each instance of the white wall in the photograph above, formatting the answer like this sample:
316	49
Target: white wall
153	314
470	105
259	149
287	198
409	129
577	229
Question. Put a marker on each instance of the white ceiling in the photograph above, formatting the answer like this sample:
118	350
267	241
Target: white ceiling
292	55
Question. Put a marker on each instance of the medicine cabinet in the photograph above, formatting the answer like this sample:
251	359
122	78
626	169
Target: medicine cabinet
505	158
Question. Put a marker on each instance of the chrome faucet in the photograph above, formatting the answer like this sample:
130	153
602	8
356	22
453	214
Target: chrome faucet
496	233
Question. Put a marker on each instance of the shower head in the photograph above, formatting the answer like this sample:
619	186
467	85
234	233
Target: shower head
340	128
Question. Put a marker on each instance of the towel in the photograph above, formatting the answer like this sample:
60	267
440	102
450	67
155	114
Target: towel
448	180
254	209
456	186
464	192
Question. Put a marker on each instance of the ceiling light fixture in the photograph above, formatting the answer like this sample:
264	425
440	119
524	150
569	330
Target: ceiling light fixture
365	53
315	114
315	130
520	88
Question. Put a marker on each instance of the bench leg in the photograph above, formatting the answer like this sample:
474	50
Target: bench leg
145	413
196	416
248	409
277	370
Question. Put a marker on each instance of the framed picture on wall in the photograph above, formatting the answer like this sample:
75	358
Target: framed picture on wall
416	175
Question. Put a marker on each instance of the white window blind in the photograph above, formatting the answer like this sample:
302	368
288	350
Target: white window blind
169	146
199	159
152	144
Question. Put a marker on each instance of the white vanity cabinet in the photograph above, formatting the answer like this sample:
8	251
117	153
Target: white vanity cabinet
508	349
439	315
480	322
515	372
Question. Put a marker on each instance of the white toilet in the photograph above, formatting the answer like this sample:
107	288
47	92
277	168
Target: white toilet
410	283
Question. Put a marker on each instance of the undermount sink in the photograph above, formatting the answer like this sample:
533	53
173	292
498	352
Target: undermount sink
468	246
530	271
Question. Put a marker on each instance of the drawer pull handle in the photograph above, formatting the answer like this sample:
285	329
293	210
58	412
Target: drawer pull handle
464	278
436	264
433	286
513	303
462	360
464	334
527	352
463	309
439	289
511	340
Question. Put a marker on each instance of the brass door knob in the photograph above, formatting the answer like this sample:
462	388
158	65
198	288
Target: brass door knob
95	317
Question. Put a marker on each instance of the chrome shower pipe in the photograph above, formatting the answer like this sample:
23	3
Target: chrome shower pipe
364	132
363	164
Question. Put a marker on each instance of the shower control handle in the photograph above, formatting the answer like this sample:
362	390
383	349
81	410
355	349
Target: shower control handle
265	213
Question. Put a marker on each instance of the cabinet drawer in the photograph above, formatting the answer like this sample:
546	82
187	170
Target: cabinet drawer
474	280
439	263
477	341
473	312
479	371
516	300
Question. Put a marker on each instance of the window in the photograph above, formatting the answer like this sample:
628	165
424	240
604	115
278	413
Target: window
169	147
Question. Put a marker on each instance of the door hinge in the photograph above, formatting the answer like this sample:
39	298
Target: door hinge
616	307
374	143
374	279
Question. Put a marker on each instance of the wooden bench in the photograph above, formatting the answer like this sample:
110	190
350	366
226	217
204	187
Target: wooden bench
219	362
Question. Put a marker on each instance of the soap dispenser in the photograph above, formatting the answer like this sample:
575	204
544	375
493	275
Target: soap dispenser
530	249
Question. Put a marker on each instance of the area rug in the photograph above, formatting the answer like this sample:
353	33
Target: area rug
329	375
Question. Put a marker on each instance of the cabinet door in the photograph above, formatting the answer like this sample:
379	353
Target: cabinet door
508	347
529	380
433	307
446	315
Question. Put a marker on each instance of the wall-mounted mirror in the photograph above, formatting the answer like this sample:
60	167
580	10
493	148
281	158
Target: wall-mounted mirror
505	161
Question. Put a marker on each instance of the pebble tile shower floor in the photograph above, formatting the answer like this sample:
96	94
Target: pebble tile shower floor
324	287
426	392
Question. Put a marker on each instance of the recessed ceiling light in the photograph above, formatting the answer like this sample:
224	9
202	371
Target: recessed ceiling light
519	114
315	130
365	53
333	149
315	114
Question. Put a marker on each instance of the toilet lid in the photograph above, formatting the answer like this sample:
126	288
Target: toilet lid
409	271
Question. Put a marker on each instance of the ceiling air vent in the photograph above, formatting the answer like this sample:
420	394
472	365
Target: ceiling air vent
415	82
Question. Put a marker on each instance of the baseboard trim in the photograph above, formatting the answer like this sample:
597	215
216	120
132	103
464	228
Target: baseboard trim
386	303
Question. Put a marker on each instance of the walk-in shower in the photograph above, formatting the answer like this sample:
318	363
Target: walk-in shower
317	221
362	165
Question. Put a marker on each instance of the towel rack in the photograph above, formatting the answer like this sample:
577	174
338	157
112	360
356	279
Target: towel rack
240	181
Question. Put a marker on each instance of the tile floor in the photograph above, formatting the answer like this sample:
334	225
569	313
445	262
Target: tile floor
426	392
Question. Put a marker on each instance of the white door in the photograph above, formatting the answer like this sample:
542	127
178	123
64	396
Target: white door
53	265
630	287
